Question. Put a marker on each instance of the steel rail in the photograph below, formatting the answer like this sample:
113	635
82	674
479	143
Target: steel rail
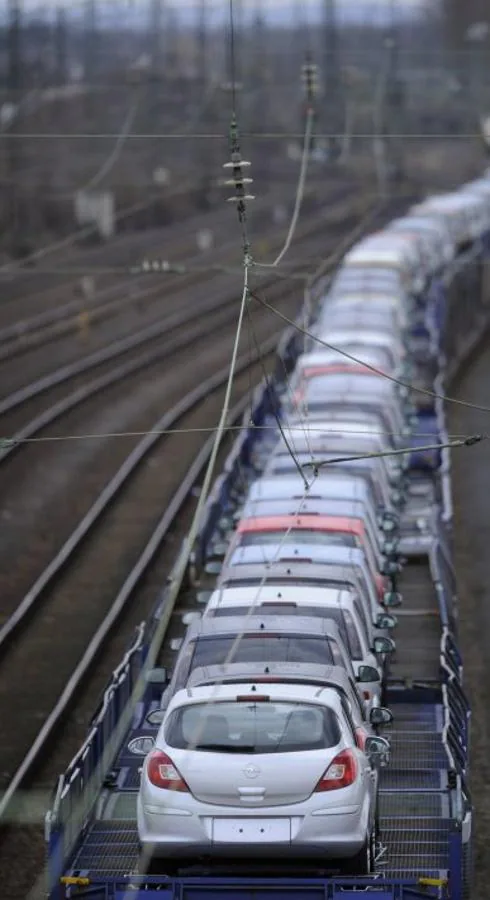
166	422
28	334
123	345
92	388
137	572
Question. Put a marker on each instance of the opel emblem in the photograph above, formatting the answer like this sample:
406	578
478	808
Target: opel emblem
251	771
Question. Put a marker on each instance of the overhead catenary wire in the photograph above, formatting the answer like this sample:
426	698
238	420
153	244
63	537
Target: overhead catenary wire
289	444
400	382
469	441
10	441
299	193
115	153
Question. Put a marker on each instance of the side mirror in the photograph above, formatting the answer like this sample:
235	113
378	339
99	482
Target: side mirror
384	620
392	599
367	674
157	676
396	498
156	717
203	597
226	522
388	526
383	645
377	749
218	550
379	715
390	568
213	567
141	746
389	548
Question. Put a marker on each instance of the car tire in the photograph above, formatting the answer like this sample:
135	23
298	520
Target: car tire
363	862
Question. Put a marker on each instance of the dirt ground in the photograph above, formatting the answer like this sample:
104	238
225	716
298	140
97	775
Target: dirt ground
471	491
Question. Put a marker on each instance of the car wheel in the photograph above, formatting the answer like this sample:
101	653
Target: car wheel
363	862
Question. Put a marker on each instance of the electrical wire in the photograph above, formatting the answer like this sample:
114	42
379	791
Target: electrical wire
411	387
218	136
447	445
299	193
253	605
270	392
113	157
11	441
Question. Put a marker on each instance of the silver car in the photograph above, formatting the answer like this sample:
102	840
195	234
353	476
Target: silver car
308	574
264	638
260	771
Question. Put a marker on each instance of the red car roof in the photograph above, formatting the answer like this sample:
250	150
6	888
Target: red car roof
339	368
312	523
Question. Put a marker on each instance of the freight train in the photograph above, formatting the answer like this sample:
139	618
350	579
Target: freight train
307	734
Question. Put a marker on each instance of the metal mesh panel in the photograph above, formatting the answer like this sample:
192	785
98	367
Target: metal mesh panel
429	781
110	849
468	870
408	805
419	751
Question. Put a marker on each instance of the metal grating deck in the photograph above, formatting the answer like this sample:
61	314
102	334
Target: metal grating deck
415	780
109	849
414	804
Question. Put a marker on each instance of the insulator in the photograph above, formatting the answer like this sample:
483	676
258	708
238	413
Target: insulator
240	199
237	181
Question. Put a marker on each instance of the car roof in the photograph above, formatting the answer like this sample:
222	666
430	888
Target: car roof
246	596
353	336
352	297
337	368
291	694
278	486
258	673
262	553
330	440
318	571
337	427
256	524
311	506
263	623
339	383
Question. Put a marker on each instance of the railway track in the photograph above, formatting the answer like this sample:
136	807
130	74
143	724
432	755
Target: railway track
146	301
62	297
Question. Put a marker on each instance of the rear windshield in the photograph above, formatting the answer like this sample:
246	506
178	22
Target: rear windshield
252	727
295	535
263	647
290	582
341	617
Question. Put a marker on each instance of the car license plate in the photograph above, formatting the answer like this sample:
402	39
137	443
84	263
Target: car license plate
253	831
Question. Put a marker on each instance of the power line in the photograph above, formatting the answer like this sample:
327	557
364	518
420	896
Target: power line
404	384
14	149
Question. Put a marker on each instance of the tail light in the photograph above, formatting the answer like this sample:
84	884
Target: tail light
341	772
366	695
163	774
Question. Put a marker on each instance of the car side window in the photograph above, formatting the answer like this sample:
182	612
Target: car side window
359	706
346	708
183	667
336	654
362	616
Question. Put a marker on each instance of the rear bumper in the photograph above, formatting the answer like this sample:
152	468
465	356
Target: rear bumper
312	836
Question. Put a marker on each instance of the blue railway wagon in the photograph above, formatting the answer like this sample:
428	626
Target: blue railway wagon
425	806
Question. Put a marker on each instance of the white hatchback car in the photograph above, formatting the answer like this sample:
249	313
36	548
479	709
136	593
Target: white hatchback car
266	771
